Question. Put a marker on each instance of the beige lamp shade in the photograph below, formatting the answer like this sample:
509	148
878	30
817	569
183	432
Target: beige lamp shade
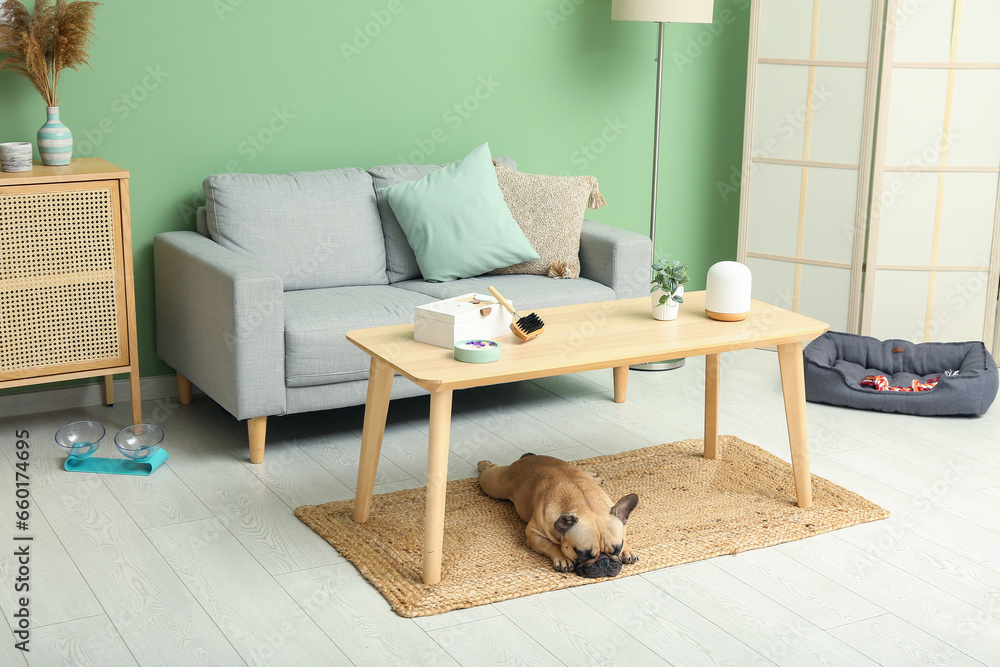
665	11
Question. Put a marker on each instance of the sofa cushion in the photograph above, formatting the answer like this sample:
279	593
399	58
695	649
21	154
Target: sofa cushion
313	228
401	263
456	220
316	322
527	292
549	210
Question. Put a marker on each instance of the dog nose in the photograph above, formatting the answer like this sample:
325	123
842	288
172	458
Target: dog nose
610	568
602	567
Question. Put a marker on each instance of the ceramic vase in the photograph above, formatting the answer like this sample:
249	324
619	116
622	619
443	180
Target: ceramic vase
55	141
669	310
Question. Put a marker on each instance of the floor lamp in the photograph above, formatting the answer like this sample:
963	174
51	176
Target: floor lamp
662	12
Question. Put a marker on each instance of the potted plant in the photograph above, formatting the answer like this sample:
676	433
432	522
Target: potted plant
39	45
667	288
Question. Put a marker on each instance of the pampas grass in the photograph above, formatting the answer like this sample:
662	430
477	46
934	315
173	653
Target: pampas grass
39	45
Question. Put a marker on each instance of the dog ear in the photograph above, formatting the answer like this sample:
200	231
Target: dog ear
565	522
625	506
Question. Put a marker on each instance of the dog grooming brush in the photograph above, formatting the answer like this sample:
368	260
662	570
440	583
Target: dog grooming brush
526	327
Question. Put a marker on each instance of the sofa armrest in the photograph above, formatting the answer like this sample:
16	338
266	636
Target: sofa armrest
220	323
617	258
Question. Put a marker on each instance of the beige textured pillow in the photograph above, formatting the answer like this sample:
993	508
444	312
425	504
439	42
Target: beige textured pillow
550	211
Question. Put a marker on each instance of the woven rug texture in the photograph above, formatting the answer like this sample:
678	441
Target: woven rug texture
690	508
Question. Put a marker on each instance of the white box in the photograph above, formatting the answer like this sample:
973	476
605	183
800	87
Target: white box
442	323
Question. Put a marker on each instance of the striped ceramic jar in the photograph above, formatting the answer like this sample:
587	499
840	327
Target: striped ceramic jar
55	141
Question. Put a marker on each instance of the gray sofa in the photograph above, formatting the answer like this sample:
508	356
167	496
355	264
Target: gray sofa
253	307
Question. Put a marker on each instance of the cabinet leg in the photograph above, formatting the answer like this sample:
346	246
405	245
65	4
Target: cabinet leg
257	430
183	390
109	389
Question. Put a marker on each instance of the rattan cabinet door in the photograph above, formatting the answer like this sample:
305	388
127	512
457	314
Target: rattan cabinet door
62	297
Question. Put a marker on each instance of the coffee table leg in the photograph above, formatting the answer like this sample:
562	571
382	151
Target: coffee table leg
376	409
621	382
793	387
713	368
437	484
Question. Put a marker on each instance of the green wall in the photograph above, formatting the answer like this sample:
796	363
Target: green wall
183	89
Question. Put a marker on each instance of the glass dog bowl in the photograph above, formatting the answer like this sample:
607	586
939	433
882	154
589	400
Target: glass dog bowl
80	439
139	441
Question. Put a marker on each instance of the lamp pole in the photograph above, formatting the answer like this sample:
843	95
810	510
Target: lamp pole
656	137
670	364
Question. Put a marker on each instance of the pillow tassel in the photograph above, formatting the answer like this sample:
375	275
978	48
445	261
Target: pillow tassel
596	198
562	269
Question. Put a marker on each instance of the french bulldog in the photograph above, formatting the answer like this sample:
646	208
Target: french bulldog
570	517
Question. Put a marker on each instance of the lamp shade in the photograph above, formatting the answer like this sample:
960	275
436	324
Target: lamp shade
665	11
727	291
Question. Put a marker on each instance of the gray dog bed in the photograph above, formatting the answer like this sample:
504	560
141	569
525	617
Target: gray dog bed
836	363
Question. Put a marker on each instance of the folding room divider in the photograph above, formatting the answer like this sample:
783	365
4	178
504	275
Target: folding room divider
869	189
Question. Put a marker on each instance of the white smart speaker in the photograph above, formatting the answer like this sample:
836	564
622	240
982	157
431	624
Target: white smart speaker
727	292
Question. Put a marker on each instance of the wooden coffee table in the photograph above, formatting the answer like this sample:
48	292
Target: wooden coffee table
610	334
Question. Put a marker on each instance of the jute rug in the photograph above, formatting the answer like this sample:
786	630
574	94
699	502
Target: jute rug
689	509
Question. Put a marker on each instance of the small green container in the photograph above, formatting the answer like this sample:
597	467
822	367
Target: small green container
476	351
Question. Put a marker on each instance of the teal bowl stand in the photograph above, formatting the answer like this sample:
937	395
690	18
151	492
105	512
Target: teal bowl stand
117	466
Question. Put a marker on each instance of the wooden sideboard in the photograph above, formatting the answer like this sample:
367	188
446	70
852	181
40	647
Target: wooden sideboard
67	301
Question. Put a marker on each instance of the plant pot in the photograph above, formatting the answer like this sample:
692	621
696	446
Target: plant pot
15	156
669	310
55	141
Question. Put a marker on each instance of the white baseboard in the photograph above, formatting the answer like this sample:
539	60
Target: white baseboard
67	398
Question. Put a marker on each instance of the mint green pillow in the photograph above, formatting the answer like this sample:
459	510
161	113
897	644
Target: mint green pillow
456	220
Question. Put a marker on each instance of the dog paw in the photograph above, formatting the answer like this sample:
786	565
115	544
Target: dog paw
628	557
483	465
562	564
597	477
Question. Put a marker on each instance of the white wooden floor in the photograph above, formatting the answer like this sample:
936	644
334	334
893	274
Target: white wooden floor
204	563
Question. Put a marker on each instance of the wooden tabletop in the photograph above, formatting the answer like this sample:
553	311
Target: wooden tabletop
79	169
586	337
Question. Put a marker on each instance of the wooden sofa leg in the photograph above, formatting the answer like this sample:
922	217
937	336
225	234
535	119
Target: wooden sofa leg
183	390
257	428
